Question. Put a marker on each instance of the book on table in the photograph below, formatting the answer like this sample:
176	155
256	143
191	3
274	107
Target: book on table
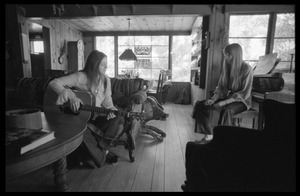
22	140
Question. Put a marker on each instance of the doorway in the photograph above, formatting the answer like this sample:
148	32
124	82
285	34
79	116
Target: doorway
39	39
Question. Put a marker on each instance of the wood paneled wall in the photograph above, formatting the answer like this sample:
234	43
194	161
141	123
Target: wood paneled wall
59	33
17	40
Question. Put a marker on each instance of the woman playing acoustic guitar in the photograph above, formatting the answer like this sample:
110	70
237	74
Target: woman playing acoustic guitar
92	79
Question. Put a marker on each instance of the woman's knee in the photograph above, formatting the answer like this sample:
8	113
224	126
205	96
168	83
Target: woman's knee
118	120
228	111
202	108
235	108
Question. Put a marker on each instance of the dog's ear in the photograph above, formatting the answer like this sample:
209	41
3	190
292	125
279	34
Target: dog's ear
151	100
156	102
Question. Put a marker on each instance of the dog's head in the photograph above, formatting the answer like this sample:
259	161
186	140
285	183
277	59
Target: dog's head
152	111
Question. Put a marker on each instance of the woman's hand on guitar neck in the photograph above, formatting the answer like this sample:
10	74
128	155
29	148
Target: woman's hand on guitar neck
111	114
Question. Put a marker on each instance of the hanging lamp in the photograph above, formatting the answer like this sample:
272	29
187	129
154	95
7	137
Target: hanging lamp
128	54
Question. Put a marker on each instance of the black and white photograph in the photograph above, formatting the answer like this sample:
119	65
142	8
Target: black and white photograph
150	97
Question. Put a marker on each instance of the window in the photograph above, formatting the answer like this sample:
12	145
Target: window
106	44
250	31
284	40
37	47
181	58
152	53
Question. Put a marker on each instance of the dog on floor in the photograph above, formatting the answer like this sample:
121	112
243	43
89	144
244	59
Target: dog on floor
153	111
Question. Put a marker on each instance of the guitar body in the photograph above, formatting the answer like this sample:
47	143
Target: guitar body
49	104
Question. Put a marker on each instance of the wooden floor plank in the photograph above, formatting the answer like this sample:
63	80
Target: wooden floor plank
124	174
79	176
183	127
143	178
189	123
174	164
158	183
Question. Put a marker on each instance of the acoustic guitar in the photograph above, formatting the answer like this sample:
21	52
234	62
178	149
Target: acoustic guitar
86	111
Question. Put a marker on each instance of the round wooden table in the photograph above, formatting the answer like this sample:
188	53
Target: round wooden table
69	131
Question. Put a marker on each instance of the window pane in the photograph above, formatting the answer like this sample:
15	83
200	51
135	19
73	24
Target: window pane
106	44
250	31
181	58
284	47
160	40
155	74
38	46
160	63
248	25
143	63
285	25
125	41
284	41
143	50
149	56
252	48
142	40
285	65
145	73
160	51
122	40
126	64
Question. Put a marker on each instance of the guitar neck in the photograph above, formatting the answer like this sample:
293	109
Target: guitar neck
101	110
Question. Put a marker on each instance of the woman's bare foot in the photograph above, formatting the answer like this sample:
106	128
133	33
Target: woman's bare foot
204	140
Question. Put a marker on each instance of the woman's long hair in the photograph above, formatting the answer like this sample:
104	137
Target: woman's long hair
91	69
230	76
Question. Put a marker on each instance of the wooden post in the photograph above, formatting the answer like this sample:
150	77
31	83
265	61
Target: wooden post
291	65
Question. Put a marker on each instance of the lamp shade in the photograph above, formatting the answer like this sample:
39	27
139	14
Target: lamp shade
128	55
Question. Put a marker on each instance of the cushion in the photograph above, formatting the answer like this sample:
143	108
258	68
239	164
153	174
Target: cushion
119	99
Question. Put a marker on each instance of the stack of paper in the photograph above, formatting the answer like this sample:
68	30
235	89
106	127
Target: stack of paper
265	64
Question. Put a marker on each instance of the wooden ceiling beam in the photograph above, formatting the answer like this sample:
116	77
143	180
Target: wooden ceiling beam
85	11
135	33
258	8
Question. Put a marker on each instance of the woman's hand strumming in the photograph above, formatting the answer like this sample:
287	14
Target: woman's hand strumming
75	104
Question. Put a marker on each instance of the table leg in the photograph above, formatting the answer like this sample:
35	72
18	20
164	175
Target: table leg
60	176
261	120
260	117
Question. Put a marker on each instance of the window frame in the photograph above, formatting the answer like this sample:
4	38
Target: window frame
270	29
132	46
116	51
